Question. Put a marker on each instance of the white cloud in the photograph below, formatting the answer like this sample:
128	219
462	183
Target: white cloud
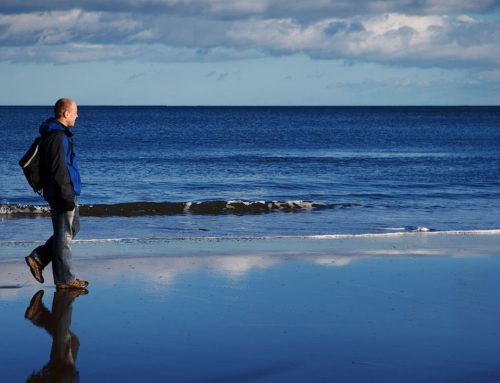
223	29
237	9
75	52
443	6
466	19
280	35
65	26
414	40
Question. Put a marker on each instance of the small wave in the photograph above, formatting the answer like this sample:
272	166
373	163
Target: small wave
173	208
8	209
415	229
267	238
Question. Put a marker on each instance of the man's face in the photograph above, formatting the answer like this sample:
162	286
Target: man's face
70	115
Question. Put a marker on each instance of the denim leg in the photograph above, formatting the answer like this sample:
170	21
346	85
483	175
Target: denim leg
64	343
75	228
62	222
43	253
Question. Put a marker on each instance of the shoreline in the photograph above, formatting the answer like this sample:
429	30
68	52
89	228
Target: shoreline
424	231
233	253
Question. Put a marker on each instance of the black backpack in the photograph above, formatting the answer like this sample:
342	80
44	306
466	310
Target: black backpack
30	163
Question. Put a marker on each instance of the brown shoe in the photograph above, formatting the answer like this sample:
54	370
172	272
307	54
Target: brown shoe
35	306
35	268
74	284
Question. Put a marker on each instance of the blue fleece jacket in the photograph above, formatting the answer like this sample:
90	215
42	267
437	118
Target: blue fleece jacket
58	161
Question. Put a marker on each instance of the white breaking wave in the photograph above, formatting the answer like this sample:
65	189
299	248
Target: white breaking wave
274	237
409	228
24	209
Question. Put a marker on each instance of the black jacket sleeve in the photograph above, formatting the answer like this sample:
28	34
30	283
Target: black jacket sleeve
57	169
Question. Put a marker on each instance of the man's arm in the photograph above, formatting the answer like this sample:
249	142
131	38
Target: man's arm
56	161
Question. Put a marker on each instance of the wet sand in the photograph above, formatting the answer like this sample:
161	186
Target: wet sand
413	308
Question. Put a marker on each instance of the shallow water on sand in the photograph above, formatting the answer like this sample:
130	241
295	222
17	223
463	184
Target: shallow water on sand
407	310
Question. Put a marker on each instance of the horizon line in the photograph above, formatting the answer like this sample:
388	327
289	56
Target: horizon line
266	106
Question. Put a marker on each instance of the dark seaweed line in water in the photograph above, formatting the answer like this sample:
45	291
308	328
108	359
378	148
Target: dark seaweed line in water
132	209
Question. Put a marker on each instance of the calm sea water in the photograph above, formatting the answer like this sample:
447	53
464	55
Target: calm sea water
367	169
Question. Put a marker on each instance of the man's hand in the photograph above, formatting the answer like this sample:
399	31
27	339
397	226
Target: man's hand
68	205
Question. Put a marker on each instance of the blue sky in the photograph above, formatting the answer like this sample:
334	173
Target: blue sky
250	52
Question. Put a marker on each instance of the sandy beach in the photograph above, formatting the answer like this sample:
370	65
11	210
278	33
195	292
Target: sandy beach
415	307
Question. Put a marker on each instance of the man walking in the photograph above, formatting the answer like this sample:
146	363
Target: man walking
60	170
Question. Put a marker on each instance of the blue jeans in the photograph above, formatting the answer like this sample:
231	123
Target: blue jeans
57	249
65	344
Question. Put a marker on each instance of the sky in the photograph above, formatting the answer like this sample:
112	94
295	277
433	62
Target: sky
250	52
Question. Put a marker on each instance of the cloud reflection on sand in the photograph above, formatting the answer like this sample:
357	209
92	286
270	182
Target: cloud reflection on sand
160	263
162	271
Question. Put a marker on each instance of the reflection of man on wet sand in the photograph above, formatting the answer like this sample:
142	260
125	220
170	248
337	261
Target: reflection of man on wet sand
65	344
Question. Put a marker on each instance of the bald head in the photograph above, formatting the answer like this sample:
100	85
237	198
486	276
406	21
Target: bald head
61	106
66	111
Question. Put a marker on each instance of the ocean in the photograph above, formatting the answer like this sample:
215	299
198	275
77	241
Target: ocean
256	172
